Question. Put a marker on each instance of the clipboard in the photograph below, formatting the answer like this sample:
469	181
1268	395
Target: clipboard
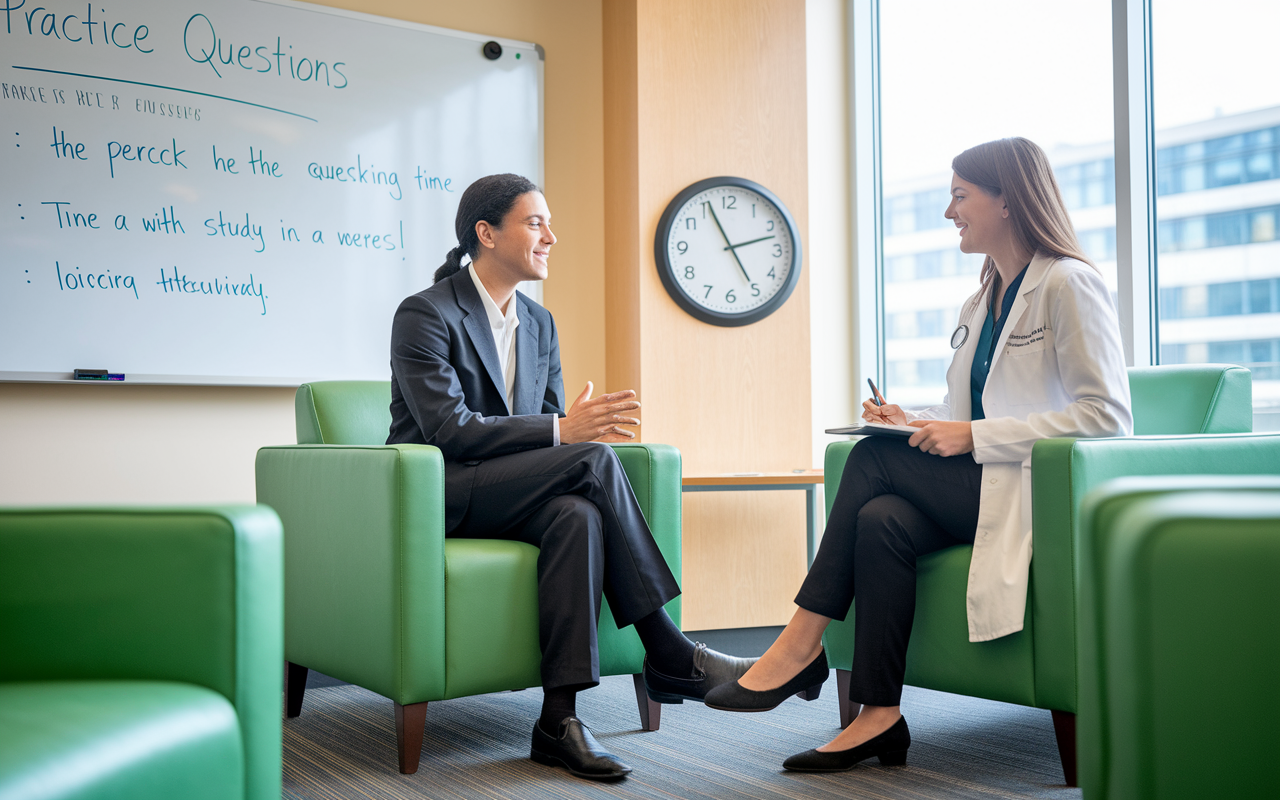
874	429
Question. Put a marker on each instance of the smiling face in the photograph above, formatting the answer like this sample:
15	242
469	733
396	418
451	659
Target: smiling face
983	218
520	248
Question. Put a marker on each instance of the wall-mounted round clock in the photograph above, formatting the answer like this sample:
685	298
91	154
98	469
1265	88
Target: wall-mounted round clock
728	251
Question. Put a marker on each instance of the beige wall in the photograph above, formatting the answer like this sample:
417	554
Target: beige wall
696	90
75	443
62	443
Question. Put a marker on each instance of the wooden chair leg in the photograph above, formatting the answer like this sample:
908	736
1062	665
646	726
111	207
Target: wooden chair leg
848	709
295	685
1064	727
650	711
411	721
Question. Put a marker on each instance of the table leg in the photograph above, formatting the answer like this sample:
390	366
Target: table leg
811	519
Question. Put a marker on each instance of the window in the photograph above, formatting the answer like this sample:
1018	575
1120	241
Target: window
1220	299
1217	120
1210	291
930	113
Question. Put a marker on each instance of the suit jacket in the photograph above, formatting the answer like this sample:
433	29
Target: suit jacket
447	387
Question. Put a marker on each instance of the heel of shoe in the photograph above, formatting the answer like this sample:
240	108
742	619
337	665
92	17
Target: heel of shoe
541	758
895	759
811	693
664	698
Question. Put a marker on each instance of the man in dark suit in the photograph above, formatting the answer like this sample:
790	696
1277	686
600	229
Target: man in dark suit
476	372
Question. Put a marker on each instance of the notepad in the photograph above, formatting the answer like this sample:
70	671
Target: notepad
874	429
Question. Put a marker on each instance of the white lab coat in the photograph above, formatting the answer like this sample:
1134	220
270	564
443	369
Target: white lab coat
1058	370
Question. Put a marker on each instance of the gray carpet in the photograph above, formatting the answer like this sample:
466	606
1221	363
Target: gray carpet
343	746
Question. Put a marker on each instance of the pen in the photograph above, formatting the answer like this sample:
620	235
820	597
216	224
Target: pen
875	393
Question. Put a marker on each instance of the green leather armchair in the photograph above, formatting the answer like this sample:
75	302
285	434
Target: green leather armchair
1179	648
140	653
375	594
1190	405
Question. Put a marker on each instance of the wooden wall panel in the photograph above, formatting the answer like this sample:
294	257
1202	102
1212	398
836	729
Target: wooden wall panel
719	88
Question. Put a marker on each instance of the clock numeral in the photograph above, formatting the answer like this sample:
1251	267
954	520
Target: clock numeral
682	247
755	290
708	287
688	272
729	201
690	224
729	297
771	275
777	251
753	210
770	228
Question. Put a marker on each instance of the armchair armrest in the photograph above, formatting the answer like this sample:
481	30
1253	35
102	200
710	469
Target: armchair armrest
189	595
1063	471
833	461
364	577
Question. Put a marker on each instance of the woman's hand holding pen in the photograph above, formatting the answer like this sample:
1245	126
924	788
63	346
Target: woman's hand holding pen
887	414
876	410
940	437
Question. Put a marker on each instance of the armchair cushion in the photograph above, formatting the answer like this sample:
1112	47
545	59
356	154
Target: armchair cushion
125	740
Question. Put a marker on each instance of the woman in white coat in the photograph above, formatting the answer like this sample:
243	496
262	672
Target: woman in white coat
1038	355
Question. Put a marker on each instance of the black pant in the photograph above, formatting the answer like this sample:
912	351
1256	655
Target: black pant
575	504
895	504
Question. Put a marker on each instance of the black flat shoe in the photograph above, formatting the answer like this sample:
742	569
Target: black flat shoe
891	746
808	684
710	669
576	750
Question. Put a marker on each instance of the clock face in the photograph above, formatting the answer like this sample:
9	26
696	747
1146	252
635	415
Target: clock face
727	251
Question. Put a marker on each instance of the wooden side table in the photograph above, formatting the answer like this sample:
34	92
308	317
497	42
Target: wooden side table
807	480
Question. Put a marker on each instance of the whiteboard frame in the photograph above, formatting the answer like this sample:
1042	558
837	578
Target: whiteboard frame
532	289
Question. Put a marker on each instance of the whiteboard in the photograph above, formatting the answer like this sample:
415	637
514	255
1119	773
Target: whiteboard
237	192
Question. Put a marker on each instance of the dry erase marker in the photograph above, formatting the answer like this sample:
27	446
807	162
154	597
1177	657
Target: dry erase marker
97	375
875	393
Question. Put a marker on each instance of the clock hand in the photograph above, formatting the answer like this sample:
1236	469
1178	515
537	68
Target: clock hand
712	209
753	241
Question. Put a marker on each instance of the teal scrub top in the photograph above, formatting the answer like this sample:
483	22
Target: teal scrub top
986	350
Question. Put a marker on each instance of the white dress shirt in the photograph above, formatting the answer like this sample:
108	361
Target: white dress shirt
503	327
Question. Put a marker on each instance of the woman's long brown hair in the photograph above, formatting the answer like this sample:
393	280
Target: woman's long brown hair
1018	170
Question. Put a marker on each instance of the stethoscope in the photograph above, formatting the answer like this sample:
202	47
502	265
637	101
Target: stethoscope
960	336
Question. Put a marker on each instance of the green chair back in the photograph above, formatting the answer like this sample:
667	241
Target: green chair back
1179	399
1167	400
343	412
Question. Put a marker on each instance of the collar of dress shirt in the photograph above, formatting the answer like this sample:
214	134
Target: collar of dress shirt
497	319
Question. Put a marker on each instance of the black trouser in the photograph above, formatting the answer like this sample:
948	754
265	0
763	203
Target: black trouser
895	504
575	504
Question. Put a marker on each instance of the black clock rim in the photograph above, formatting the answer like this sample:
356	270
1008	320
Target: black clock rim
663	264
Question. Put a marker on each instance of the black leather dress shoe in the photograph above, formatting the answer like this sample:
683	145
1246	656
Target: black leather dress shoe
710	669
891	746
731	696
575	749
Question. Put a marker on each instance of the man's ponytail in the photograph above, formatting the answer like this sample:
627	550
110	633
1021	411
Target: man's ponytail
452	263
488	199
